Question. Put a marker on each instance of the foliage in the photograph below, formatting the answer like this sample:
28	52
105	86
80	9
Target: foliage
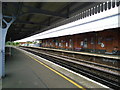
13	43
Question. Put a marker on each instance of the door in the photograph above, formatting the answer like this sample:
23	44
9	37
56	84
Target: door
109	44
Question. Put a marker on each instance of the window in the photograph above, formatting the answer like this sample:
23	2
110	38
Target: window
100	40
66	44
50	44
43	44
62	43
46	43
92	40
70	43
81	43
56	43
85	43
59	44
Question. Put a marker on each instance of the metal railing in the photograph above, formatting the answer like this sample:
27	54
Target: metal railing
96	9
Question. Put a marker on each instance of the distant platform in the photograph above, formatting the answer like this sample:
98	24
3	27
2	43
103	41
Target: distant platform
83	53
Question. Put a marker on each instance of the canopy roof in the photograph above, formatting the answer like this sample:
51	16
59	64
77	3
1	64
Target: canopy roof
36	17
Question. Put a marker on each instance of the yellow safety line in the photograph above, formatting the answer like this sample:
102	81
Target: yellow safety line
57	73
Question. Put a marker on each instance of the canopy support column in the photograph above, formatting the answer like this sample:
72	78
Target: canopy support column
3	32
1	51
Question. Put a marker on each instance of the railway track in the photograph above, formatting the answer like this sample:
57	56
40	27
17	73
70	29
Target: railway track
112	61
106	75
80	60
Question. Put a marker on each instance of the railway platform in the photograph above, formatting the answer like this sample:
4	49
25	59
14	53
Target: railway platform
72	45
25	70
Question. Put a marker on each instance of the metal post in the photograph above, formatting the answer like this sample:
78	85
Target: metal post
10	49
1	49
3	32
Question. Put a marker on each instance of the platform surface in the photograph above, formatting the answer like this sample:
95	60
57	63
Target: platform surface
23	72
26	70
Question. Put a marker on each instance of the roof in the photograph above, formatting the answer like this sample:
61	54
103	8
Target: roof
36	17
106	20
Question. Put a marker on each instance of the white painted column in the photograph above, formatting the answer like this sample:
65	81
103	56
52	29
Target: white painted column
3	32
1	49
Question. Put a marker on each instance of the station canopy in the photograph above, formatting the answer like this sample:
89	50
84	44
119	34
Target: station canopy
35	17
